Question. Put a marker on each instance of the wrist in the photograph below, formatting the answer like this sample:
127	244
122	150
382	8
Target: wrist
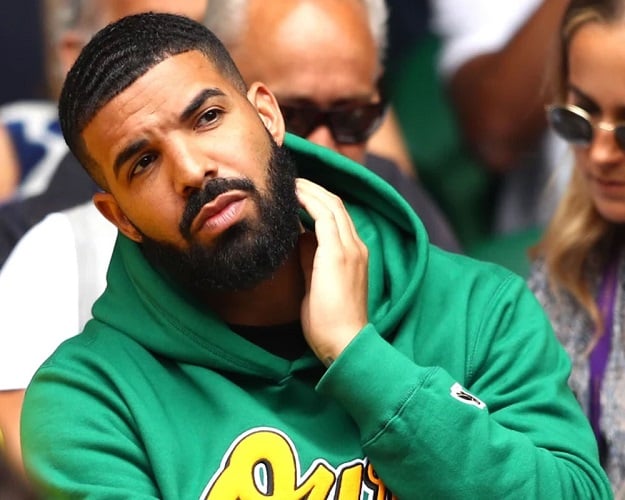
330	351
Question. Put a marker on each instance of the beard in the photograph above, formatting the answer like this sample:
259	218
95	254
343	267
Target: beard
248	252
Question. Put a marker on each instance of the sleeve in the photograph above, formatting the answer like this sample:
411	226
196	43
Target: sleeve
38	300
525	437
102	436
468	28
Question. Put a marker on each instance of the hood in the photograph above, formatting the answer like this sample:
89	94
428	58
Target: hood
142	304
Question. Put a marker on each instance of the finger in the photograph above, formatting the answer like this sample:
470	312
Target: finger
320	203
327	210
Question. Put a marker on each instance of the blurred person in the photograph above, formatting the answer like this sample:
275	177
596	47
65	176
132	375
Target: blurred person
325	79
62	266
579	272
9	173
13	486
493	62
263	336
407	22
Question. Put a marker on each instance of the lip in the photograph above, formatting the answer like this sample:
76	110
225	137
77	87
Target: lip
220	213
610	187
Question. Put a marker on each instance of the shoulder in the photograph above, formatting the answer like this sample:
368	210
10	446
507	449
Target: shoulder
39	292
96	353
490	296
459	268
29	112
50	240
37	297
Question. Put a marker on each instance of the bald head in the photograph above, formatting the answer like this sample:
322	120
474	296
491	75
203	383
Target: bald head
312	36
324	53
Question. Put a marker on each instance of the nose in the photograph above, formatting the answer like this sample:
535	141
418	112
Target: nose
604	151
191	167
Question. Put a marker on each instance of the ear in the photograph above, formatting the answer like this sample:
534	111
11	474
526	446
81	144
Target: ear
268	110
108	206
70	45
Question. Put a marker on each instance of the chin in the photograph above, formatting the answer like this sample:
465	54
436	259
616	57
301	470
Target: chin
613	211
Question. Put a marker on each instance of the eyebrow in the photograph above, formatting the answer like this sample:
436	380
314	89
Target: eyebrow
127	153
198	100
580	94
134	147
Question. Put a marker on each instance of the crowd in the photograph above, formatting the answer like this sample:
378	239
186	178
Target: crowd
316	249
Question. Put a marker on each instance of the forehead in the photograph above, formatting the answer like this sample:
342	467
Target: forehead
116	9
597	60
172	81
153	104
286	49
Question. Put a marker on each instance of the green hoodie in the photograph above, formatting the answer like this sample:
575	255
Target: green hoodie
158	398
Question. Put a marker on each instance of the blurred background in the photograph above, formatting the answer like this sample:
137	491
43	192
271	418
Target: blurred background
22	50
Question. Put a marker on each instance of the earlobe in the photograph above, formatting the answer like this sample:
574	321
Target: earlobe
108	207
268	109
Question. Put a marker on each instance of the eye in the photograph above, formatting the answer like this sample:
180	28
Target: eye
142	163
209	117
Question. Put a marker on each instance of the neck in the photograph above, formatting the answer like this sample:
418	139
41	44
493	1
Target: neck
274	301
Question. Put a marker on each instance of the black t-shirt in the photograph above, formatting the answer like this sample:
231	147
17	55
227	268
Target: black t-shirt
285	340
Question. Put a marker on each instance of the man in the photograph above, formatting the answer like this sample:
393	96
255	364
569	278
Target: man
61	264
73	249
248	348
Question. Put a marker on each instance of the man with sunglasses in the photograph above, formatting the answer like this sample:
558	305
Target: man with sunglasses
325	80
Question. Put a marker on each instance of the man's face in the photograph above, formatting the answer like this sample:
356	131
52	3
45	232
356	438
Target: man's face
305	65
187	158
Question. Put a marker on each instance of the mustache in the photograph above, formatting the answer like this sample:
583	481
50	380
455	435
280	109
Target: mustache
208	193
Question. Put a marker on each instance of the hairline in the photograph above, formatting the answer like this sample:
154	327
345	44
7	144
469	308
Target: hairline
81	150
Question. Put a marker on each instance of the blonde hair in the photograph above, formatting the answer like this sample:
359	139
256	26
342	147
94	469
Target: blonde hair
577	234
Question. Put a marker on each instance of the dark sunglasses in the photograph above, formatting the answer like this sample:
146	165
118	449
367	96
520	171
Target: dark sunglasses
349	124
574	125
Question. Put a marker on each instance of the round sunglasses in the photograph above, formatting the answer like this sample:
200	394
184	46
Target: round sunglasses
575	125
349	124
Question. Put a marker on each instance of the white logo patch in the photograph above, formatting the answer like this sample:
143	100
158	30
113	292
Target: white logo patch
457	392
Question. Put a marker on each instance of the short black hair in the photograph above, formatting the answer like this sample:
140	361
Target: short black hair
117	56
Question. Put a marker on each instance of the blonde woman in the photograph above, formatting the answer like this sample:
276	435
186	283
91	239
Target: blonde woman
579	268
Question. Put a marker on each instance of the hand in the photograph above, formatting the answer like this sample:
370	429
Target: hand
335	265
